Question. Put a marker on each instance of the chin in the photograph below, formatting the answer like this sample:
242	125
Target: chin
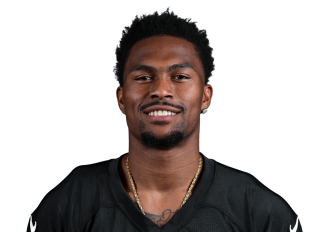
172	139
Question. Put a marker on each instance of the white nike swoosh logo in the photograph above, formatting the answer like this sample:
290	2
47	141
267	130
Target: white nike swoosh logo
296	226
31	226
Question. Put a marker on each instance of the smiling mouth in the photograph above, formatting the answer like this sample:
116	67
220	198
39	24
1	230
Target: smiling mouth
159	113
162	117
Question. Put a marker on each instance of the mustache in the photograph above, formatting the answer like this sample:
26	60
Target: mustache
159	103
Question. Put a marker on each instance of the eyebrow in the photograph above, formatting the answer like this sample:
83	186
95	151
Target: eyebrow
169	69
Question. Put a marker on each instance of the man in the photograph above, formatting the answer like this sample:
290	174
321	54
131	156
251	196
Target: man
163	183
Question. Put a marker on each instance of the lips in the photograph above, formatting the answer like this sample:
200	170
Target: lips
161	110
161	118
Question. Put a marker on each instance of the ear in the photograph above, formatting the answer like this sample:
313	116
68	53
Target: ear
207	96
119	96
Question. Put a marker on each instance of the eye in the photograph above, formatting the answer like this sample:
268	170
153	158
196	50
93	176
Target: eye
180	77
143	78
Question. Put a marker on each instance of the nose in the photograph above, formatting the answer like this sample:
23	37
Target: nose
161	88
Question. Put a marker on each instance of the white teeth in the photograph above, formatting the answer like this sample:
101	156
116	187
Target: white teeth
161	113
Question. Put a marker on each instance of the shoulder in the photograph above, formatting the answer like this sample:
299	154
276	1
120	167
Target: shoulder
245	184
82	182
75	198
244	198
80	178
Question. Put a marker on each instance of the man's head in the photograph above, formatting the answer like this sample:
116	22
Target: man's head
163	66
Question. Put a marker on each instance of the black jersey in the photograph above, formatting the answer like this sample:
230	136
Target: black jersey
92	199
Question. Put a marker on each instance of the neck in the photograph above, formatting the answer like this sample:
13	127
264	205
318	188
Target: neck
160	170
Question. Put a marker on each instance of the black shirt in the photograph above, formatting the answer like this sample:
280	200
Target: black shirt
92	199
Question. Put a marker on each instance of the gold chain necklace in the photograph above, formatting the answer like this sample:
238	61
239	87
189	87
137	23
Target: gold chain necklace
186	196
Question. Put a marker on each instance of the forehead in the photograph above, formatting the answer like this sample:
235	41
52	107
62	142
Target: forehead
162	51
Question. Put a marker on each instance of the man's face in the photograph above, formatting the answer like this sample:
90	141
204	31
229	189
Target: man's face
163	75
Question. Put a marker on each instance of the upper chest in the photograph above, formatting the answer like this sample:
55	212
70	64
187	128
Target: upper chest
159	210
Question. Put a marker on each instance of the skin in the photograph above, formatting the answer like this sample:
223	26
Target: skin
162	175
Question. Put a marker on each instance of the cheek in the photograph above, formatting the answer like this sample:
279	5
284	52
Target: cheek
130	99
192	98
193	101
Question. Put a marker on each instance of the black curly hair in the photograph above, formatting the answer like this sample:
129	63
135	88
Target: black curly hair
167	23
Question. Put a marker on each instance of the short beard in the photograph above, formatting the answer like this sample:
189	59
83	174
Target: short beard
171	140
